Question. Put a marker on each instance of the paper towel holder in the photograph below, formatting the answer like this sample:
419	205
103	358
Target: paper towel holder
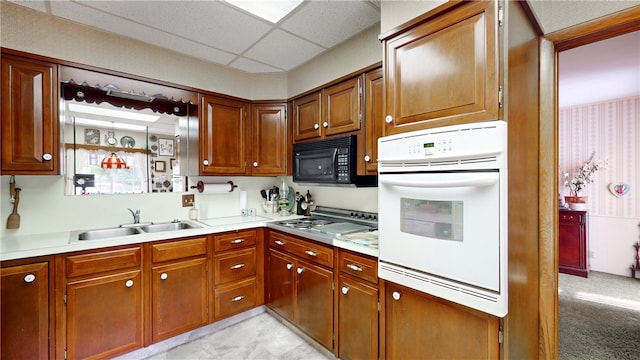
200	186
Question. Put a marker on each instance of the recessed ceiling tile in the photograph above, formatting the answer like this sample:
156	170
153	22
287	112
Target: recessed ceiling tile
35	5
283	50
330	23
251	66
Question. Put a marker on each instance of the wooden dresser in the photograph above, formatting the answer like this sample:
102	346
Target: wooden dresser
572	243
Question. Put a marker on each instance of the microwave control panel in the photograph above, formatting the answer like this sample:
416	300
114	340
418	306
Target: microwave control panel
343	165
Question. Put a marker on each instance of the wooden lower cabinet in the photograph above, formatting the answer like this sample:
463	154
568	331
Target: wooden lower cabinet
299	290
103	303
24	311
572	243
421	326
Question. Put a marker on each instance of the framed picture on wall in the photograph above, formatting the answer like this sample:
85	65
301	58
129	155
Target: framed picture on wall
92	136
166	147
161	166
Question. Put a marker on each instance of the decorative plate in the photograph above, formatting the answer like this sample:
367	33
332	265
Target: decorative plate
153	138
619	190
127	142
166	183
154	147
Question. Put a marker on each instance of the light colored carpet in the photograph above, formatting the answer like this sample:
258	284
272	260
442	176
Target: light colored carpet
598	317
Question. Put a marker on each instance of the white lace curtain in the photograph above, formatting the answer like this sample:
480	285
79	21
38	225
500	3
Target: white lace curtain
107	181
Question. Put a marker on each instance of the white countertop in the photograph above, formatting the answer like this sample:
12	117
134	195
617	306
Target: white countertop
25	246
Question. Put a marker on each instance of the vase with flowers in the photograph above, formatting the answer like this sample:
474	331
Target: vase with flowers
581	178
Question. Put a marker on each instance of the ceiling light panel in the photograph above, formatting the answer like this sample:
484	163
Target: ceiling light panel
86	109
109	124
272	11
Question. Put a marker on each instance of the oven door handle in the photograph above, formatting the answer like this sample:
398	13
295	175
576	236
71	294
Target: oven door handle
467	182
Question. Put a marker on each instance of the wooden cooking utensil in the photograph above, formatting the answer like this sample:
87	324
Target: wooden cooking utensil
13	222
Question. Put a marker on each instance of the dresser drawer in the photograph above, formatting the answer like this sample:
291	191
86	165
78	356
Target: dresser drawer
572	217
319	254
235	265
363	267
101	261
178	249
235	298
234	240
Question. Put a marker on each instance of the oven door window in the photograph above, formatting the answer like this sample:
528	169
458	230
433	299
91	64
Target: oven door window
435	219
445	224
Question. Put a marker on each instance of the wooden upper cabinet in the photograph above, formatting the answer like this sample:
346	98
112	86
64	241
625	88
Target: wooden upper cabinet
443	71
30	130
223	133
307	113
269	140
374	119
341	107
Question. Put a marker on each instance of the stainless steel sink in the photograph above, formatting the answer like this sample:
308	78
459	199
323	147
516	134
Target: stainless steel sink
107	233
169	226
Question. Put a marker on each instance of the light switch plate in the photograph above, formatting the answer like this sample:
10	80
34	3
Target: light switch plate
188	200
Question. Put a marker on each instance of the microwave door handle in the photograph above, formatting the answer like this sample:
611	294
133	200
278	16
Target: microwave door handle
469	182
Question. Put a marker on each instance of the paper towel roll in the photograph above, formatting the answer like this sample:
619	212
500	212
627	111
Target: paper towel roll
215	188
243	199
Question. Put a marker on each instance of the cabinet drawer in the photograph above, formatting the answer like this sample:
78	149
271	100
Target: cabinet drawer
315	252
91	263
572	217
235	240
178	249
365	268
234	265
235	298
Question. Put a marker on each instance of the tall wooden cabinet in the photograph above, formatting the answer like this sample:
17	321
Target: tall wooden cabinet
24	311
270	140
374	118
572	243
30	129
444	70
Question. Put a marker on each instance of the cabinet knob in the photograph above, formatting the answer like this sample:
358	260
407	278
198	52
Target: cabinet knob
325	124
128	283
388	119
289	266
299	270
237	266
367	158
164	276
47	157
237	298
279	242
345	290
205	162
316	126
354	267
395	295
311	253
237	241
29	278
255	164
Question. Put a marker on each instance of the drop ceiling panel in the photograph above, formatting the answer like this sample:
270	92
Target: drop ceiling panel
283	50
245	64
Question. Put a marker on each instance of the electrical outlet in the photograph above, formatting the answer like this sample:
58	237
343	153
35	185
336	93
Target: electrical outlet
252	212
188	200
592	254
243	212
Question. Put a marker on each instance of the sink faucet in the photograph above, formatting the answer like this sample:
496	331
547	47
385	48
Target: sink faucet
136	216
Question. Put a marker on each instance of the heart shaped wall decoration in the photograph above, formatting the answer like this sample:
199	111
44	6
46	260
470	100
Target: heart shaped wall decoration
620	189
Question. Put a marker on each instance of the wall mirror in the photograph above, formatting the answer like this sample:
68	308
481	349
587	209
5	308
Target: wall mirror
118	142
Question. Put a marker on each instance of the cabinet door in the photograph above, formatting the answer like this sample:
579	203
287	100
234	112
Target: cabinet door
223	134
30	131
418	324
269	140
357	320
443	71
24	313
341	104
374	119
306	117
314	305
179	297
280	284
104	315
572	243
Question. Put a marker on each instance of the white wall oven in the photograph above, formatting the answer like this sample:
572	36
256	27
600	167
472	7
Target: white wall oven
443	213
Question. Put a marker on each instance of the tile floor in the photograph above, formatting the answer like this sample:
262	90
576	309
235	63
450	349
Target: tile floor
261	336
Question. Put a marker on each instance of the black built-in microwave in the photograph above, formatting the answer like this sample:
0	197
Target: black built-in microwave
329	162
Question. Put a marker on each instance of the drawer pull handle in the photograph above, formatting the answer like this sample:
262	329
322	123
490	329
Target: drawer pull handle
129	283
396	295
311	253
164	276
29	278
279	242
345	290
289	266
354	267
237	241
237	266
237	298
299	270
